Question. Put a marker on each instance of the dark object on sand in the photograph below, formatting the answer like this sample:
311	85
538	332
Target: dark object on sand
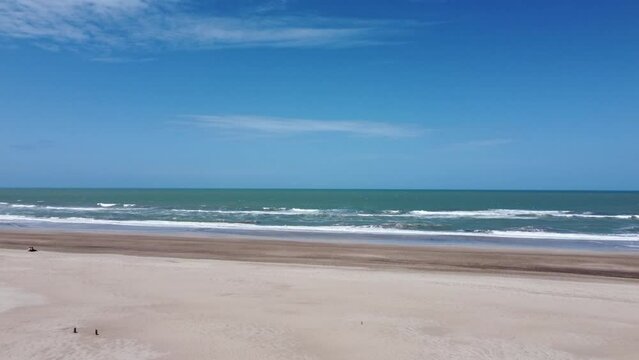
96	332
75	330
31	249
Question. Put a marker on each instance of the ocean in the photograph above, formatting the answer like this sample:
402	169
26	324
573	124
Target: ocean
576	219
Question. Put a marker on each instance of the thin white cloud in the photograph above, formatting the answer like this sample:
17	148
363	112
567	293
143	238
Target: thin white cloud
487	142
121	60
480	144
109	25
34	145
283	126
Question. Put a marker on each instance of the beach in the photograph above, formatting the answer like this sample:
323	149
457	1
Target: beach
186	297
319	180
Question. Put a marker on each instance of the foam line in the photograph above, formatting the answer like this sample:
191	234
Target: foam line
318	229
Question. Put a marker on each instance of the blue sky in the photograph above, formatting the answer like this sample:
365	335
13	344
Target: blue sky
320	94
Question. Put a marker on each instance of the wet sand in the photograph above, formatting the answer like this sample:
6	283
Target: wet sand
438	258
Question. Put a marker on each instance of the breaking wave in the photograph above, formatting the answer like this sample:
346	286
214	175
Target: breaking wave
334	229
420	214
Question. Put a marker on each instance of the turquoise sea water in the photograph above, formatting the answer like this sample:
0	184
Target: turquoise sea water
553	218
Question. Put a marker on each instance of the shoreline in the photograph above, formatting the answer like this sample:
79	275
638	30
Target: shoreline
420	257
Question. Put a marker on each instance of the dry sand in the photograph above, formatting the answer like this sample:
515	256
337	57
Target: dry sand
175	308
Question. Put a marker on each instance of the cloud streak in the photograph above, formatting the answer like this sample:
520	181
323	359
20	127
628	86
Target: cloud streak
480	144
488	142
111	25
249	124
34	145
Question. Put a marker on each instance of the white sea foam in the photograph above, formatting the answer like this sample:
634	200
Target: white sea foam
22	206
319	229
266	211
422	214
80	208
106	205
512	214
70	208
306	211
563	236
487	214
101	207
74	208
595	216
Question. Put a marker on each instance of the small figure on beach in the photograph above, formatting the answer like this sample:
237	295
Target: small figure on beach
31	249
96	332
75	330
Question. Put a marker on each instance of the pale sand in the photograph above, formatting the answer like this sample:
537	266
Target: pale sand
169	308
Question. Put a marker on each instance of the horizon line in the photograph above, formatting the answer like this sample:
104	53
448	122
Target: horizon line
306	188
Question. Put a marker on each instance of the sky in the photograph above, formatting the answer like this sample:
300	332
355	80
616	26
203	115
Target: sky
415	94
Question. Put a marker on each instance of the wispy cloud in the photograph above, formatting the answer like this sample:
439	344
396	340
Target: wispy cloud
120	59
487	142
481	143
112	25
33	145
284	126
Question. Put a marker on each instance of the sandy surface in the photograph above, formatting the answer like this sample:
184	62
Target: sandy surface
170	308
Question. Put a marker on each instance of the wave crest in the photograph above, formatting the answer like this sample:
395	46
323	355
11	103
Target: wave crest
334	229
